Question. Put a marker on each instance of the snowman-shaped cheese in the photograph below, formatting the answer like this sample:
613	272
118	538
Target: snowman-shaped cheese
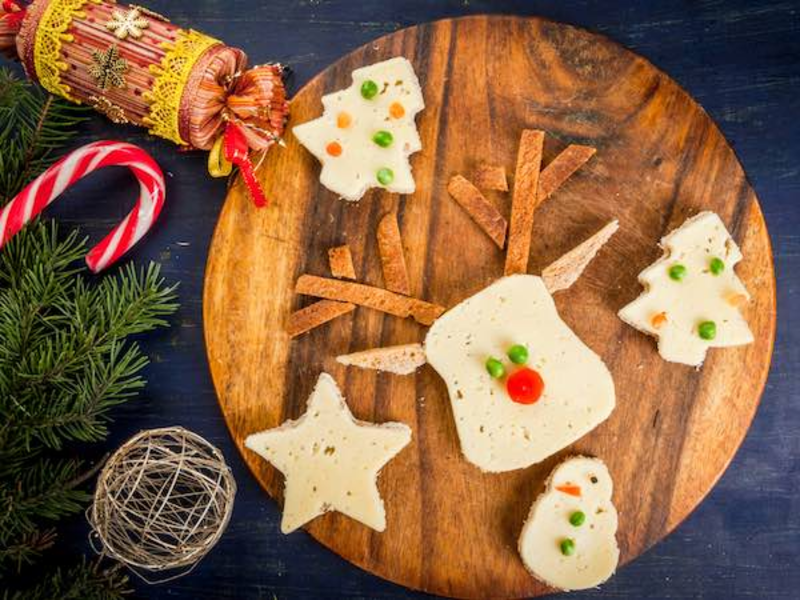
496	432
569	539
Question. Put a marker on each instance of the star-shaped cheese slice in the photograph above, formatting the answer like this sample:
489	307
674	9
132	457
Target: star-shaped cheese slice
365	135
330	460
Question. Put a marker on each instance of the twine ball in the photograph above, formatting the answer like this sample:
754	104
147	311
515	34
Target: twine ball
163	500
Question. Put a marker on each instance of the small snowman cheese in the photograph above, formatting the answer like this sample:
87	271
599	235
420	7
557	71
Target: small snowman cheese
569	539
522	385
367	132
692	295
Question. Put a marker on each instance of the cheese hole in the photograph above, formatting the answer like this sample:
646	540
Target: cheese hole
329	450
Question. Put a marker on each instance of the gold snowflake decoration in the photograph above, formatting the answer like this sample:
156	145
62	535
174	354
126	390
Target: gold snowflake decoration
125	24
109	109
150	13
109	68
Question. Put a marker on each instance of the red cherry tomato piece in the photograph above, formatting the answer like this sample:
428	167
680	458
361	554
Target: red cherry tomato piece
525	386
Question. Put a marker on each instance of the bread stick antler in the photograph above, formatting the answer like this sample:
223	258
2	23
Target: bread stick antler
559	275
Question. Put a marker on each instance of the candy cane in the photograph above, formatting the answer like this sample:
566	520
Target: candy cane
48	186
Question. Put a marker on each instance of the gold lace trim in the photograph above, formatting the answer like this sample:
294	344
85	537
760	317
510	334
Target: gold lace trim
50	33
171	77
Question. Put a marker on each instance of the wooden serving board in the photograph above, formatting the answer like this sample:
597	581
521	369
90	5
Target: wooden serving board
452	530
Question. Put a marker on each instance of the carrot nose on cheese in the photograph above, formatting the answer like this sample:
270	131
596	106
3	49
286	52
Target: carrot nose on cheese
569	541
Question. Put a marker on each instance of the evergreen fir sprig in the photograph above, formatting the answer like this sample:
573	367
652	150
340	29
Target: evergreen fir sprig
27	549
62	361
32	125
66	359
84	581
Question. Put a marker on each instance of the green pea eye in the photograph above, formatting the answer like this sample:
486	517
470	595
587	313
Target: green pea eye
495	368
677	272
383	139
707	330
369	89
716	266
385	176
518	354
567	547
577	518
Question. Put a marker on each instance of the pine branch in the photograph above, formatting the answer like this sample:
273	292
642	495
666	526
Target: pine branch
32	125
46	490
84	581
62	366
65	358
27	550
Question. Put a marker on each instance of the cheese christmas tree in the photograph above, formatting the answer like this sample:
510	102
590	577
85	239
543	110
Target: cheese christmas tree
367	132
692	295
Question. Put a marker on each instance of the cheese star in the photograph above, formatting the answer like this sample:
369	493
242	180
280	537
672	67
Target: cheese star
330	460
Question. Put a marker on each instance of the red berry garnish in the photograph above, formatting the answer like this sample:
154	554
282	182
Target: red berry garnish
525	386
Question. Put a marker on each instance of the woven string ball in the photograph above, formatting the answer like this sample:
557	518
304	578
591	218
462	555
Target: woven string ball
162	500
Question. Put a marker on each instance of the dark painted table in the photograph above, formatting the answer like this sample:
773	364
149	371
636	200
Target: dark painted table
739	58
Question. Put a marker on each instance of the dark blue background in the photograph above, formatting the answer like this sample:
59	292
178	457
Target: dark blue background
738	58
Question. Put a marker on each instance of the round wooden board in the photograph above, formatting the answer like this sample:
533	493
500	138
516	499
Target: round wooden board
452	530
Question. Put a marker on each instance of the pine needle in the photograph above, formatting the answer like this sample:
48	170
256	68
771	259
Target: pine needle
65	358
32	125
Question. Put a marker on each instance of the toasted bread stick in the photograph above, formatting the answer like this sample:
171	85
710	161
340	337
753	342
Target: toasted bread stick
315	315
390	248
491	177
341	262
561	168
371	297
482	210
400	360
565	271
523	202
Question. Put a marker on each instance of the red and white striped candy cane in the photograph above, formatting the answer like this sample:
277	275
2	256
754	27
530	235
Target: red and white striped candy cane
48	186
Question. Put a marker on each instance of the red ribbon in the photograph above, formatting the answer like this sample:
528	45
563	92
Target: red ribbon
250	115
13	13
237	151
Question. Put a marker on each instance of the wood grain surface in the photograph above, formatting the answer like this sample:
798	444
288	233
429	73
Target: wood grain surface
451	529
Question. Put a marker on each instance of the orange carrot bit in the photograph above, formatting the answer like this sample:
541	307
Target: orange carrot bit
343	120
396	110
736	299
334	149
572	490
658	320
